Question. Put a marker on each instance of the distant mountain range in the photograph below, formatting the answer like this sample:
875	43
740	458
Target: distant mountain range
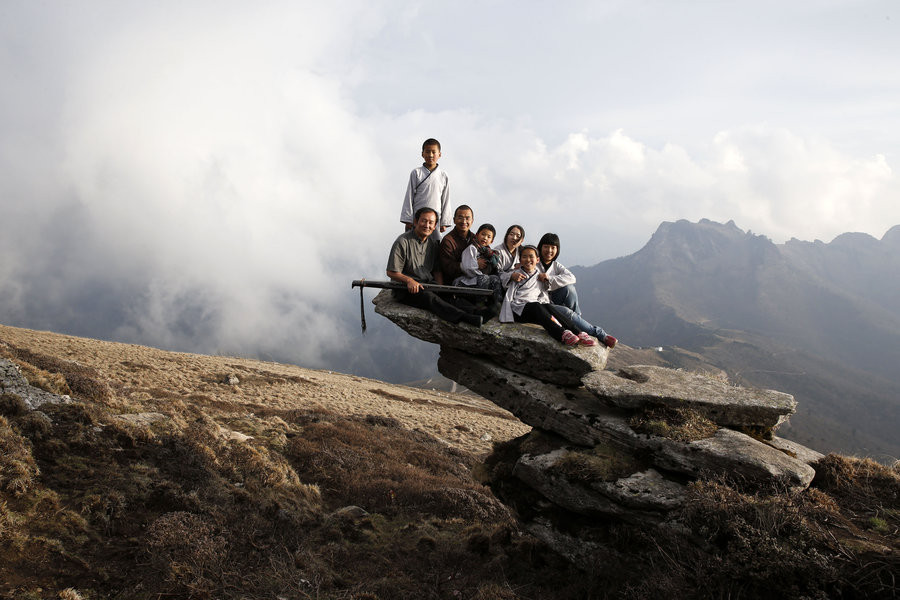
818	320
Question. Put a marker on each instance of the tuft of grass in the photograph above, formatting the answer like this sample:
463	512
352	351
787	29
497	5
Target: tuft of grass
681	424
12	405
17	466
393	471
863	485
600	463
188	549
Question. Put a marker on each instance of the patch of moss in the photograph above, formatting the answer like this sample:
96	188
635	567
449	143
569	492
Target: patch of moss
878	524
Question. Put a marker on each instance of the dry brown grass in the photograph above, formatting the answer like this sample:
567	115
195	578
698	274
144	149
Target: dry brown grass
12	405
184	507
17	466
600	463
60	376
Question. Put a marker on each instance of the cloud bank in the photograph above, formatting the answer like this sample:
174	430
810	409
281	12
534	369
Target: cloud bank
212	180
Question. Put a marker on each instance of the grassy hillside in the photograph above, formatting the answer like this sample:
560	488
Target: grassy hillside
142	489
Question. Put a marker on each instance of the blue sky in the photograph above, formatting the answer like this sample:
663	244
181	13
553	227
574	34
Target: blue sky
237	164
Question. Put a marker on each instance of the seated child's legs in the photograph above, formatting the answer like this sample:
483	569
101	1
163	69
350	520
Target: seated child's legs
535	312
581	322
566	296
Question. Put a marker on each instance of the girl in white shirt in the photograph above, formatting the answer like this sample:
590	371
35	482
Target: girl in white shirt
527	301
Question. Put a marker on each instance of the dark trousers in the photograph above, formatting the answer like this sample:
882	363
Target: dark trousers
541	314
431	302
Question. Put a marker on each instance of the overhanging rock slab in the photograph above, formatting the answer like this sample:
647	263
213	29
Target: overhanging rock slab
521	348
637	386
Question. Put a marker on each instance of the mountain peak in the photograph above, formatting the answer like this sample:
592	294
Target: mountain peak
854	239
892	237
682	243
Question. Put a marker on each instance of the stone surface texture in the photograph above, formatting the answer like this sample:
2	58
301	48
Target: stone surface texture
644	495
637	386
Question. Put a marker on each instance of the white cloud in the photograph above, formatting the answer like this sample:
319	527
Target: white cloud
217	177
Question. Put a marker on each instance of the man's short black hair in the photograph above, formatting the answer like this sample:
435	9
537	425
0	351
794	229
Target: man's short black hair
463	207
431	142
425	209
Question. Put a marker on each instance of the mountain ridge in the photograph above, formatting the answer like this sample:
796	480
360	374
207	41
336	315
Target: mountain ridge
824	308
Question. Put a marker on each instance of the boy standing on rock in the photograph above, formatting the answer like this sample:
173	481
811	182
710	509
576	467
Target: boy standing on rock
429	187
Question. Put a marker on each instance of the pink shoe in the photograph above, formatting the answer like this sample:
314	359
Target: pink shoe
585	339
569	338
610	341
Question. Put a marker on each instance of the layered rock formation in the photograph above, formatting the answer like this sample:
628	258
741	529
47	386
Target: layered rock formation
607	445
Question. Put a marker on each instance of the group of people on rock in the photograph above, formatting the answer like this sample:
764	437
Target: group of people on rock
528	283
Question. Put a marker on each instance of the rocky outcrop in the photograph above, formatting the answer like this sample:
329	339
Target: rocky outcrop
13	382
583	417
608	445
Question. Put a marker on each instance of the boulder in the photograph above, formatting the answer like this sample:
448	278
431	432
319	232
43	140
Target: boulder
13	382
637	386
737	456
640	497
522	348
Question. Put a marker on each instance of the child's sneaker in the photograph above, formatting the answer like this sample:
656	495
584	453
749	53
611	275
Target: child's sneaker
610	341
585	339
569	338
